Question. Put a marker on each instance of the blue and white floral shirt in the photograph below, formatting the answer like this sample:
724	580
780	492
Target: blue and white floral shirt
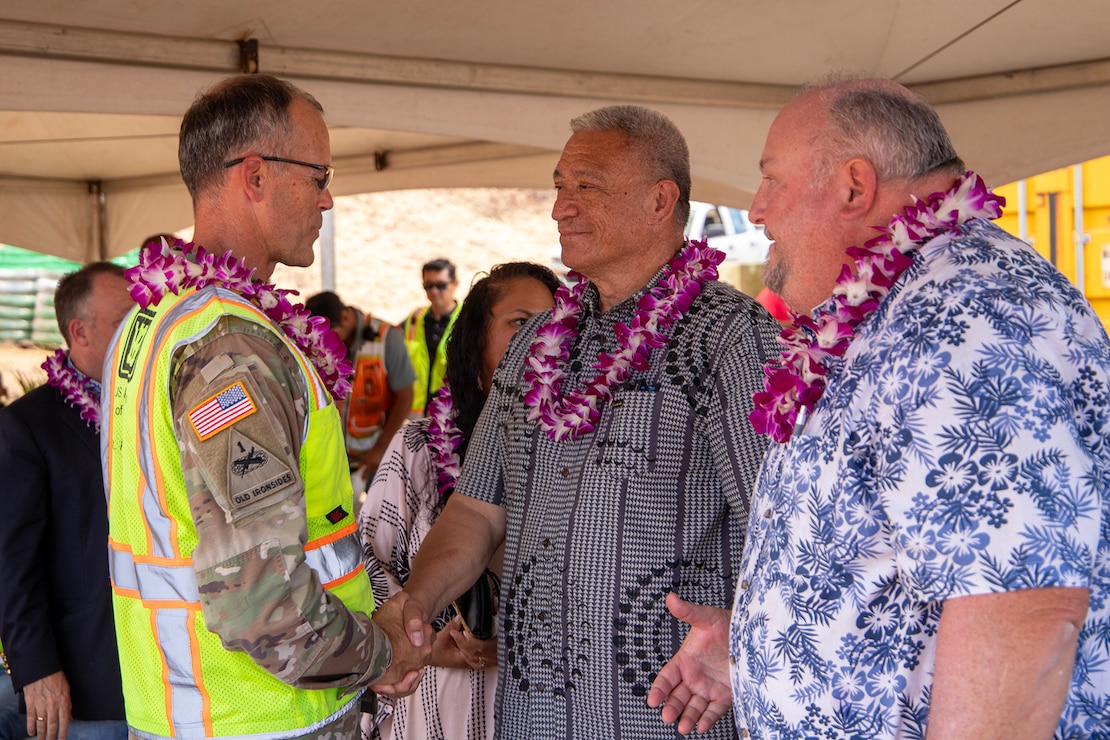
962	447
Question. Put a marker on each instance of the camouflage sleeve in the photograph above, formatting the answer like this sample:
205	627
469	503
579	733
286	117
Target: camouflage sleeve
246	497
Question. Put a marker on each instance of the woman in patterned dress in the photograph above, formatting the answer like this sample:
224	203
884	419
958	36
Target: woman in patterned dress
456	696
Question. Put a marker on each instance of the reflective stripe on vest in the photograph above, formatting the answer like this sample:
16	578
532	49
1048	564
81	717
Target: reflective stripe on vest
176	585
168	649
337	561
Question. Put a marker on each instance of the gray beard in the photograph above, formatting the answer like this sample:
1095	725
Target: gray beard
774	274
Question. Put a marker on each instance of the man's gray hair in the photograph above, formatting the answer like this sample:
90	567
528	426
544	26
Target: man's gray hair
654	137
895	130
246	114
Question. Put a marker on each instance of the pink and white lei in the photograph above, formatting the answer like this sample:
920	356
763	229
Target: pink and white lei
162	270
79	390
444	440
567	417
797	380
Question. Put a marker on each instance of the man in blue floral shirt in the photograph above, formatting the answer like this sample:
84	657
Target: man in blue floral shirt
929	549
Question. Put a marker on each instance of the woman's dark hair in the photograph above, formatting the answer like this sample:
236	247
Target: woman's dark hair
469	338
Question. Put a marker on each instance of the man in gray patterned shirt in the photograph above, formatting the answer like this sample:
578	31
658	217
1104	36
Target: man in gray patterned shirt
603	514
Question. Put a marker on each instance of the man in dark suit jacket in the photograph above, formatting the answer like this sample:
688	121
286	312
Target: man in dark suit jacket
55	598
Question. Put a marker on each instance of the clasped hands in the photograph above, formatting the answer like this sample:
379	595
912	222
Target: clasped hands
692	688
411	638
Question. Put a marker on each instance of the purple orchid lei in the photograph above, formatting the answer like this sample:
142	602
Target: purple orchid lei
444	440
163	269
576	413
796	381
80	391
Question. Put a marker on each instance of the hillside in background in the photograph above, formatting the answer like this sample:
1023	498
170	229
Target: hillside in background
383	239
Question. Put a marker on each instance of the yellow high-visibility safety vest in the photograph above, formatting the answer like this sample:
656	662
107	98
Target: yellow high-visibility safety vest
430	371
179	680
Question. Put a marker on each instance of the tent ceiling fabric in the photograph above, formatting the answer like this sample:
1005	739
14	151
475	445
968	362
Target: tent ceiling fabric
478	92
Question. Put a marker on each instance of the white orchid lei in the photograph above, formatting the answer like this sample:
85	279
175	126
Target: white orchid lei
79	390
576	413
444	440
797	380
163	269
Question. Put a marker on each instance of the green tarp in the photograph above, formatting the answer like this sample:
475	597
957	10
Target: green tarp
27	282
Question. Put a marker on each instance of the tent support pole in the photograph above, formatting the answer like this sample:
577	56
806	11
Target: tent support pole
327	252
98	249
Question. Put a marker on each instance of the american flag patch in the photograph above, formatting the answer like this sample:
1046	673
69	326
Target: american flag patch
221	411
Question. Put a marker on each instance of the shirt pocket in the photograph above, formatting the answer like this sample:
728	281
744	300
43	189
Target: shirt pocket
628	433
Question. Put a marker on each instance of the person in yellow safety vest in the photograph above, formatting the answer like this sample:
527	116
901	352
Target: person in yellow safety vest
427	329
241	605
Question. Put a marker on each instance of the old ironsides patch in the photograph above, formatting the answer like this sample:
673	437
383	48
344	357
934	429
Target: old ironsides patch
255	473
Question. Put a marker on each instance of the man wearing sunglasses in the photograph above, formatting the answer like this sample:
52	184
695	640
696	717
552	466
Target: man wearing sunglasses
235	560
427	329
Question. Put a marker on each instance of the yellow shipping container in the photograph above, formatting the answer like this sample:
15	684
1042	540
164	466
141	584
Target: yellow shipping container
1050	224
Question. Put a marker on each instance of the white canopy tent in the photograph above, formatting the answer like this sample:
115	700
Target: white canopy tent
428	93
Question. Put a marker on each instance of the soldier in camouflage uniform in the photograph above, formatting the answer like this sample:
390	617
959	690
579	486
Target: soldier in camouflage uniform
244	517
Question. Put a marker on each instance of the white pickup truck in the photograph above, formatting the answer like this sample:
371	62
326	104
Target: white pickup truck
729	230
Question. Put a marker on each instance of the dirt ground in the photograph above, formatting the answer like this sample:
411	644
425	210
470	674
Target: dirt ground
381	241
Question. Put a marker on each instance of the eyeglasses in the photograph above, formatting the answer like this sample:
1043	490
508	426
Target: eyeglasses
436	286
321	183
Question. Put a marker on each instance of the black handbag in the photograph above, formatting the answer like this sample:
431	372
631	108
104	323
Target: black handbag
477	607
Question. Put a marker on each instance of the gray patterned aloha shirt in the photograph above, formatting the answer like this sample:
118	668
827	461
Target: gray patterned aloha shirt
962	447
600	529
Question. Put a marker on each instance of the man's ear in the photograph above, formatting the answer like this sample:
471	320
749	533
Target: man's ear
250	176
664	197
78	333
858	185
